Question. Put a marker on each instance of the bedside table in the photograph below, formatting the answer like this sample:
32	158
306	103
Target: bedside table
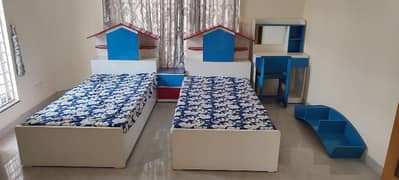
169	82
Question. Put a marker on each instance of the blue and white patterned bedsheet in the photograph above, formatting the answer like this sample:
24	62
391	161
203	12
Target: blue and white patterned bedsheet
220	103
103	100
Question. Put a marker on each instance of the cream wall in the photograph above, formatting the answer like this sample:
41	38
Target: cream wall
261	9
30	17
352	43
55	49
76	20
355	64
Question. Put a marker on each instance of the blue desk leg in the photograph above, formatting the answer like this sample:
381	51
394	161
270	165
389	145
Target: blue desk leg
261	78
287	83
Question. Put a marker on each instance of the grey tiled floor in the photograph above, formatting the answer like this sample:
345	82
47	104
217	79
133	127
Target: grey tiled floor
301	157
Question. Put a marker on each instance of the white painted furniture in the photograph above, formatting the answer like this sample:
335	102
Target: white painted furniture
101	66
230	58
238	68
86	146
222	149
234	150
290	42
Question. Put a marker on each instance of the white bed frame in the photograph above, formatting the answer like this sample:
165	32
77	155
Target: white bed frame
86	146
219	149
238	68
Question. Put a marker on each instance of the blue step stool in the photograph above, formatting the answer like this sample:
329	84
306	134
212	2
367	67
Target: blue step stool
337	134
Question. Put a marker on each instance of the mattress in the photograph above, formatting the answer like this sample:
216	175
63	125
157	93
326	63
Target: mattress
220	103
103	100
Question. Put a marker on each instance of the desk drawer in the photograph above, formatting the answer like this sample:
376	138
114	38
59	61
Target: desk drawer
300	62
170	80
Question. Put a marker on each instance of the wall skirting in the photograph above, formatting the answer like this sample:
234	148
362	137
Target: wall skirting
36	108
372	163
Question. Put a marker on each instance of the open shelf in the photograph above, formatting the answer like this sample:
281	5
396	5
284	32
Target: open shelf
337	134
295	46
236	49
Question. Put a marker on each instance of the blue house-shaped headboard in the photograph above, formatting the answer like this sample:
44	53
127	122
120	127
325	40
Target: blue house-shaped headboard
218	46
123	44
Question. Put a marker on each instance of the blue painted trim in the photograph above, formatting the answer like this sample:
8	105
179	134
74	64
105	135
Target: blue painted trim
337	134
300	62
122	44
170	80
301	48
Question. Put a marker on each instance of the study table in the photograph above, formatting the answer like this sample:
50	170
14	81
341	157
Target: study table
299	63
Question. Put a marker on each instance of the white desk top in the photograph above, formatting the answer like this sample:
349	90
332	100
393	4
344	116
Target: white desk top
294	55
290	21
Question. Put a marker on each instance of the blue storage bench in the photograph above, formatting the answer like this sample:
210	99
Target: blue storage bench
337	134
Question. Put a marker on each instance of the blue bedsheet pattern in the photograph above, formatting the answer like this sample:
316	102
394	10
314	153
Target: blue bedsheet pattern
220	103
103	100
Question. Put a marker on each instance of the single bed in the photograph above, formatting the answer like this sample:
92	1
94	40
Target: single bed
220	124
96	124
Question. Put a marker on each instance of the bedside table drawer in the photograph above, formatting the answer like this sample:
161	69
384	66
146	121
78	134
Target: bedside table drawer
168	93
170	80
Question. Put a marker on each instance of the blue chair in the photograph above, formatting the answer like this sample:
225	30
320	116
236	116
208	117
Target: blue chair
274	67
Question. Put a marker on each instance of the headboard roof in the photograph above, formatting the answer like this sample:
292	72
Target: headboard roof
218	27
130	27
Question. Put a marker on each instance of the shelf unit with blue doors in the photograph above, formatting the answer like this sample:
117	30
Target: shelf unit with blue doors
218	44
336	133
169	84
125	42
217	51
294	35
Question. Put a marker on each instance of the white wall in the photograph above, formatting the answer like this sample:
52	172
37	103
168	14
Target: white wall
30	17
76	19
262	9
353	47
355	64
55	49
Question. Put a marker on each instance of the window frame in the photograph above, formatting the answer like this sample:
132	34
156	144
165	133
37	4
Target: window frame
9	59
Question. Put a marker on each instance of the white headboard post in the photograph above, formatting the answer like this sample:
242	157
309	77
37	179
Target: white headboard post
124	67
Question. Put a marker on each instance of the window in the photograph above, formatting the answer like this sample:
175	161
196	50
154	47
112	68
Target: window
8	90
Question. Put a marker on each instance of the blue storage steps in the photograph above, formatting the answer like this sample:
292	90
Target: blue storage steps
337	134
